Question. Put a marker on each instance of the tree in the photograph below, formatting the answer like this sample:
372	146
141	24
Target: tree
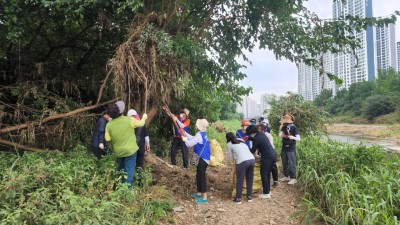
309	118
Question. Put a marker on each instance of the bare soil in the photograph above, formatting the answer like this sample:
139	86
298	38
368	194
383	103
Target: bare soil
221	209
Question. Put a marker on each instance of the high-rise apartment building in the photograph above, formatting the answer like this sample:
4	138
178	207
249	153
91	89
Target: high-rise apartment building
248	107
264	106
361	66
386	47
398	56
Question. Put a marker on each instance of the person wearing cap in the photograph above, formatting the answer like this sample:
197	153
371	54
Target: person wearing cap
119	132
142	140
289	135
264	121
98	144
261	143
183	122
245	162
241	133
253	121
201	148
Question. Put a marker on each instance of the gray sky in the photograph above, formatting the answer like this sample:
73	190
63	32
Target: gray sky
267	75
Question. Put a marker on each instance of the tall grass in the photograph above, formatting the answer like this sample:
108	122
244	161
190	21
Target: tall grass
74	189
347	184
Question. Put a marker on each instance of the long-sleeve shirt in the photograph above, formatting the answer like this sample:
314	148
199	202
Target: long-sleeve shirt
194	140
99	133
239	152
270	138
261	142
119	131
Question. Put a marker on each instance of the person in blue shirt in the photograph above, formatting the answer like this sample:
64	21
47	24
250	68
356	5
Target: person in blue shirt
98	144
241	134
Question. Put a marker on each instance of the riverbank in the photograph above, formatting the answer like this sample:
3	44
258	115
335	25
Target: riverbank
367	130
387	136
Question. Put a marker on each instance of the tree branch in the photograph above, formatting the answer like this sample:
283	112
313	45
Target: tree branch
26	148
53	117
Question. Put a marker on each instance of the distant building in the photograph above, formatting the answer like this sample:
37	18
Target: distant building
248	107
386	47
352	69
264	106
398	56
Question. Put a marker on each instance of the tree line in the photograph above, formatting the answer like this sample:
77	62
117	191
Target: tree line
367	100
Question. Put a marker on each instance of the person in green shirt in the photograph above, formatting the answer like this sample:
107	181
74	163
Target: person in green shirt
119	132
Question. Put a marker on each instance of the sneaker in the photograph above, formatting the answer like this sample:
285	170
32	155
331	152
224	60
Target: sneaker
202	201
249	198
285	179
237	201
276	184
264	196
195	195
292	181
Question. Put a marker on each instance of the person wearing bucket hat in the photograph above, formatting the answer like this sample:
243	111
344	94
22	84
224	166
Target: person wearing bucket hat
241	133
289	135
119	132
98	144
182	120
261	143
202	149
245	162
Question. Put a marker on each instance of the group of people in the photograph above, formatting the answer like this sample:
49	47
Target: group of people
255	141
130	142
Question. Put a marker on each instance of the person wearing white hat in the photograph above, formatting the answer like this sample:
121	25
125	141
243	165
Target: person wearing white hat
142	140
289	137
202	149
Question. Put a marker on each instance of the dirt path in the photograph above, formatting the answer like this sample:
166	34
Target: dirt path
222	210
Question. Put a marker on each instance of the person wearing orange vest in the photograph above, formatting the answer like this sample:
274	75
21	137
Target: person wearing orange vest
183	122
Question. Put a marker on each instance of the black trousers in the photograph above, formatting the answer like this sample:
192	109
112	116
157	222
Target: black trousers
201	176
244	169
274	172
98	152
140	158
177	142
265	172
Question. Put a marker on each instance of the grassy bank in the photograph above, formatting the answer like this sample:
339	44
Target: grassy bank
347	184
369	130
75	189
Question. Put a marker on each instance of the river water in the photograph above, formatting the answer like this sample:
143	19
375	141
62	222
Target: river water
387	143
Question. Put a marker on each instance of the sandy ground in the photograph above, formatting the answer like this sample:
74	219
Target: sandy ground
357	129
221	209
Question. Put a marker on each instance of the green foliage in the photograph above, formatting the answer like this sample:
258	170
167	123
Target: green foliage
309	119
348	184
72	189
368	99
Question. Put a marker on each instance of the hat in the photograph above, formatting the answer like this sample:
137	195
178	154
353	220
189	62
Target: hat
245	123
229	136
253	121
260	119
121	106
131	113
202	124
186	111
287	119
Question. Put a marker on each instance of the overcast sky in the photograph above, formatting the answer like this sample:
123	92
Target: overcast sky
267	75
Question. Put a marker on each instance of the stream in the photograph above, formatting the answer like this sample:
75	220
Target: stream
387	143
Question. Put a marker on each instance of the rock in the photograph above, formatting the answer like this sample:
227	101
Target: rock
221	210
178	209
212	189
271	222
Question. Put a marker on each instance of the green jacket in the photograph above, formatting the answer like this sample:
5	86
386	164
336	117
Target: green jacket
121	133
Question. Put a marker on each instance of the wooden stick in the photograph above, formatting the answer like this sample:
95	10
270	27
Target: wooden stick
26	148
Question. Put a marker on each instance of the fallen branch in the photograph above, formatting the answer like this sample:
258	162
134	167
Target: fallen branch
53	117
104	85
26	148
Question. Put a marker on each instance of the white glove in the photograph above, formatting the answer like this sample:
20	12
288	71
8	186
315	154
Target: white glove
184	138
291	137
101	146
144	116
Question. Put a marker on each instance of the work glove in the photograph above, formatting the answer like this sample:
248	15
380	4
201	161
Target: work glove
184	138
174	118
101	146
144	116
